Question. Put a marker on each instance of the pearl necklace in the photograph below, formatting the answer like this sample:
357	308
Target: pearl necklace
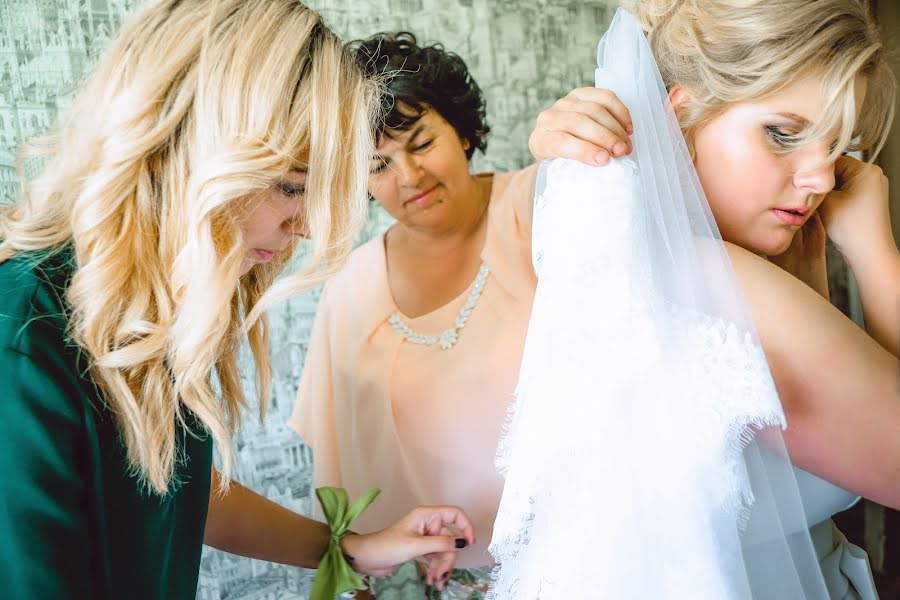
449	337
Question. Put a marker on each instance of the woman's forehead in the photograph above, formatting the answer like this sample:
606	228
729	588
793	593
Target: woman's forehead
425	124
801	102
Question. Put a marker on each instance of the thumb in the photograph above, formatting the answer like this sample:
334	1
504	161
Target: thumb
431	544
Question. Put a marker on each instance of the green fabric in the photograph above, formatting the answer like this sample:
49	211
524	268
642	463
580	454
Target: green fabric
73	521
335	576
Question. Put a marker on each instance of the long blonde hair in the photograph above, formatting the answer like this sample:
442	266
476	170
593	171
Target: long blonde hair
728	51
198	106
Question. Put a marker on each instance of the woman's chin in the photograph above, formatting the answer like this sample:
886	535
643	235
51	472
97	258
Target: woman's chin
771	246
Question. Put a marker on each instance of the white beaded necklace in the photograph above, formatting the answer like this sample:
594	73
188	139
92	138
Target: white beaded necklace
449	337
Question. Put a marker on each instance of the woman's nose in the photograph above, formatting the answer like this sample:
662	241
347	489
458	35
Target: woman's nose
815	173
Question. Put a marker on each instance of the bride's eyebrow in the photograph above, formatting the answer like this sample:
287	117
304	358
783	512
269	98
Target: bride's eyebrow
793	117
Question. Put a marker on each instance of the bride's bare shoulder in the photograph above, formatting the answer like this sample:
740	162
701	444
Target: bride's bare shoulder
744	257
753	271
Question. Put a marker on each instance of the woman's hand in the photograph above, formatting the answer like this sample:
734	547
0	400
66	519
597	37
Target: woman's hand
588	125
434	532
857	219
855	213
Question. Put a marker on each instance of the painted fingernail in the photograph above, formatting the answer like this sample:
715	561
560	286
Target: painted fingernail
460	543
619	149
601	158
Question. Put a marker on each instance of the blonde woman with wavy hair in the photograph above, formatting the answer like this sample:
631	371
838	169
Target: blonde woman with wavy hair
211	136
770	96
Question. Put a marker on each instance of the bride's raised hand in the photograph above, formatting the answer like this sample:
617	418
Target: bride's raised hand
588	125
856	213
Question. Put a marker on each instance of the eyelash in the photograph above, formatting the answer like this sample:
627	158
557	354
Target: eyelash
778	136
422	146
292	190
782	139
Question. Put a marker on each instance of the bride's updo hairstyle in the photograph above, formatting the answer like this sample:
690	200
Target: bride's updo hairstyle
728	51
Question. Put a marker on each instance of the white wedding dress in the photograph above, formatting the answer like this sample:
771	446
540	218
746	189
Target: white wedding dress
643	457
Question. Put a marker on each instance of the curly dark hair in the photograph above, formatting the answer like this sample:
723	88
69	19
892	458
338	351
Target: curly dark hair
419	78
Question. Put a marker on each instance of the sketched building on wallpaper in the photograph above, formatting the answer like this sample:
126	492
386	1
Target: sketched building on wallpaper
46	49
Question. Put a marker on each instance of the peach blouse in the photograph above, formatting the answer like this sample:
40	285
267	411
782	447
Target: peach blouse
417	421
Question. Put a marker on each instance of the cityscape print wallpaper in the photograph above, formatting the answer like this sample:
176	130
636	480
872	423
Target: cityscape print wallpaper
523	53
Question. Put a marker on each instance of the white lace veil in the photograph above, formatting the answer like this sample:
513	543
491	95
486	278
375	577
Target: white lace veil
644	457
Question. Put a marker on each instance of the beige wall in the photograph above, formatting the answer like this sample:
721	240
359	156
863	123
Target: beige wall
889	19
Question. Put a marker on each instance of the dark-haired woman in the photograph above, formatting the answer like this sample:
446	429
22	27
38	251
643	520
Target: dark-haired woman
417	343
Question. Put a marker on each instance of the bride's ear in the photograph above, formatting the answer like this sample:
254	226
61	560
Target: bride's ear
677	97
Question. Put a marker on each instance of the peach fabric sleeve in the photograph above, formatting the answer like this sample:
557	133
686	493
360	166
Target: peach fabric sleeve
507	249
313	415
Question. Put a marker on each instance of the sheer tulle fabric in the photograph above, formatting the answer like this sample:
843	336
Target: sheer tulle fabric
643	456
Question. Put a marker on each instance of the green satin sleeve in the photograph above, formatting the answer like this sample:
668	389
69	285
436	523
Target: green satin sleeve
75	520
45	544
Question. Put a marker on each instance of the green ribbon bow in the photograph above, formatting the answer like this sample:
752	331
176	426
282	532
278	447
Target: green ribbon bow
335	576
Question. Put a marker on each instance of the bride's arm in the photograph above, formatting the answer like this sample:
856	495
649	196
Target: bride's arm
858	220
840	389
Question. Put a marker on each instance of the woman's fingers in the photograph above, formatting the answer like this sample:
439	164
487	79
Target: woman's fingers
439	564
588	125
435	518
438	567
439	532
559	144
608	100
584	120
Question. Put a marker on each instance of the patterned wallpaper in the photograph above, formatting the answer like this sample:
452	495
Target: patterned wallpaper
523	53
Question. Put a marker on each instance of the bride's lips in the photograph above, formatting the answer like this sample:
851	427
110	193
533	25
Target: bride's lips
791	216
423	198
